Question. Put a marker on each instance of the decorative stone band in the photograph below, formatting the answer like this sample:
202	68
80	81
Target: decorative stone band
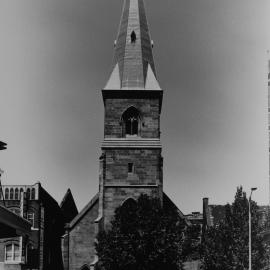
134	142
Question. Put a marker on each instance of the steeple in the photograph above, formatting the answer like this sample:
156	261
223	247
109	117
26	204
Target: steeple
133	63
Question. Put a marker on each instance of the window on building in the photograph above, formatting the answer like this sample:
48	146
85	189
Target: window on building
133	37
6	194
31	218
129	204
131	119
11	194
130	167
16	194
28	193
33	194
21	193
12	253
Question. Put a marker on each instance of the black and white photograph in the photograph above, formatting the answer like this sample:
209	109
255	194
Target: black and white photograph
134	135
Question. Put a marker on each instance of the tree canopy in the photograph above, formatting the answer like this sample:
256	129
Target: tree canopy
143	236
226	244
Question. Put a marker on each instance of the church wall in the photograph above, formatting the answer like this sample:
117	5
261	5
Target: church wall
81	240
149	109
115	196
145	161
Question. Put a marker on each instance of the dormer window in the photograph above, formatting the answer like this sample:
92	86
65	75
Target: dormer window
130	122
133	37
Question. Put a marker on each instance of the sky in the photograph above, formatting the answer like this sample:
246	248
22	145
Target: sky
211	61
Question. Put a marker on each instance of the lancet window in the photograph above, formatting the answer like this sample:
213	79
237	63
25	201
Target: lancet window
131	122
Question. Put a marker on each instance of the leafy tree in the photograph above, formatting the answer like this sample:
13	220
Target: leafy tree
143	236
191	248
226	244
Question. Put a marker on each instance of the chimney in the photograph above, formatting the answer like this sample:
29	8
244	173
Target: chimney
206	213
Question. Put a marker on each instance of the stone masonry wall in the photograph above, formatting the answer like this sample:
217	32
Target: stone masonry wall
149	112
115	196
146	164
81	240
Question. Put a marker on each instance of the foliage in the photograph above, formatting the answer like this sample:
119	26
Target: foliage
226	244
192	243
143	236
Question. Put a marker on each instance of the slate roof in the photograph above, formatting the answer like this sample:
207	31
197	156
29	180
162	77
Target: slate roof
133	63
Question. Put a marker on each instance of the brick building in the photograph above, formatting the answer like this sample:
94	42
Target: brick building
41	249
131	162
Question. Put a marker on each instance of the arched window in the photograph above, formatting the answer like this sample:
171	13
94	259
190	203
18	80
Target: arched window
28	193
11	194
33	194
85	267
16	194
21	193
6	194
12	253
133	37
130	121
130	203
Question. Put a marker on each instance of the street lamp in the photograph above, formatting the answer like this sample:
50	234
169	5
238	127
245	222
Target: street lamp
249	227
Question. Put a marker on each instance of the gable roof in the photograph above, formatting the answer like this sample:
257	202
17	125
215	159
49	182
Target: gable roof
167	202
84	211
68	207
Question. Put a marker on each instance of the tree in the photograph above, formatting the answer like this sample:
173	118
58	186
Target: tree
191	248
143	236
226	244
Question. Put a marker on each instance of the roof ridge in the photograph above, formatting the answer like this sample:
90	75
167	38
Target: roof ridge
83	211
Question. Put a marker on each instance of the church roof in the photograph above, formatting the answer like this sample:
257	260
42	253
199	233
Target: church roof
168	203
68	207
133	63
84	211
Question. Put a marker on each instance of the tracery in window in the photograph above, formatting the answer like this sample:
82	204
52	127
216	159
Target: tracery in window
131	120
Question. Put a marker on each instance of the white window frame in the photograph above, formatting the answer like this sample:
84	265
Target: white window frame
13	260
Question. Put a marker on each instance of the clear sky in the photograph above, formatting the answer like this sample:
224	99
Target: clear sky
211	60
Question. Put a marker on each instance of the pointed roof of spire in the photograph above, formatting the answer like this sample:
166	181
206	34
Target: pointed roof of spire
133	63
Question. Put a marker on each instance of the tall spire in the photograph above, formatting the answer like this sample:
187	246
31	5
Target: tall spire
133	63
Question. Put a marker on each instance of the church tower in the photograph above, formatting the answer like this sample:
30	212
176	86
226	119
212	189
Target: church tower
131	160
